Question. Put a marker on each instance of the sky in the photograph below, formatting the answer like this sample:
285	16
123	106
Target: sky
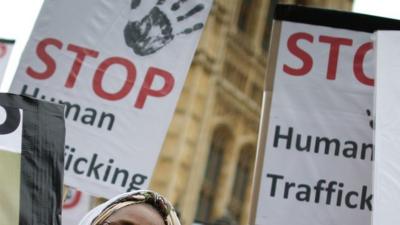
17	18
385	8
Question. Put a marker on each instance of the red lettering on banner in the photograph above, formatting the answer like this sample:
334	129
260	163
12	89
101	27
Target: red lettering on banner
128	84
359	62
148	81
335	43
46	58
81	53
300	53
98	76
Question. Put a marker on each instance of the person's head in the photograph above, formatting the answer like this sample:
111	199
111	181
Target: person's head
133	208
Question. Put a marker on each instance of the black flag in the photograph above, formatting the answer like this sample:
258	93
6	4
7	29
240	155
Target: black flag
32	137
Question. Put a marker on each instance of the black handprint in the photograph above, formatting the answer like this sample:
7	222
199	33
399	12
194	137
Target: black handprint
155	30
371	121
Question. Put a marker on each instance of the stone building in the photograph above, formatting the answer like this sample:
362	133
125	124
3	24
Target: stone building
206	164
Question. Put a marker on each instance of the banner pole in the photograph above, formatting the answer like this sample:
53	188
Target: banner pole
265	111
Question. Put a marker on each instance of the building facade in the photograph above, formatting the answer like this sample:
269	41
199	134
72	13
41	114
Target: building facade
206	164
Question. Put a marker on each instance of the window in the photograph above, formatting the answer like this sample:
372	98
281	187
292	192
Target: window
213	170
244	14
268	24
234	76
265	39
242	181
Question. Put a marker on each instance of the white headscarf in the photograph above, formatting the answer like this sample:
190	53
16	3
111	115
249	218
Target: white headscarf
103	211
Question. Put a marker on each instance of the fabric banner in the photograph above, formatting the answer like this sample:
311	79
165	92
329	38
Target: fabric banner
318	142
387	130
31	161
75	206
5	53
119	67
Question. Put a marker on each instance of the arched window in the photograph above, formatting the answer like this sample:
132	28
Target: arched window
244	14
242	181
214	164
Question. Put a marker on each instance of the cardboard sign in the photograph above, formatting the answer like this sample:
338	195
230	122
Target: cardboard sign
5	53
317	166
387	129
119	67
32	136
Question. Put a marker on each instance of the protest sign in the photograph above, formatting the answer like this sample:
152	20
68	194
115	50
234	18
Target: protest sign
75	206
31	161
317	134
5	53
119	67
387	129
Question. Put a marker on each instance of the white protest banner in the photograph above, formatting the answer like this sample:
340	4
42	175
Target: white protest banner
317	166
75	206
5	53
119	67
387	129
